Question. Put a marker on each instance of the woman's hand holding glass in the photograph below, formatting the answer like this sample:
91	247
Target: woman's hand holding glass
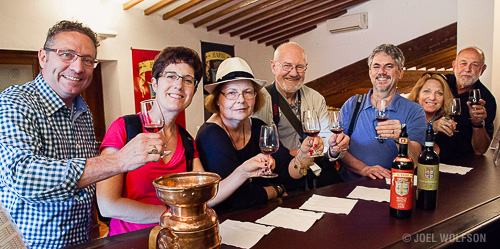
444	125
257	165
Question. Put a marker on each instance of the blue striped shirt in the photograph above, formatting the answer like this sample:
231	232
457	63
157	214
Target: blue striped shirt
43	149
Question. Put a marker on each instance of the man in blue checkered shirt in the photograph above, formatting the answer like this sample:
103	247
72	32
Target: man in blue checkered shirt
48	163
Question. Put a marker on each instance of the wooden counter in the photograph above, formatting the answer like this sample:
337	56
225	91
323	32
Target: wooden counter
468	211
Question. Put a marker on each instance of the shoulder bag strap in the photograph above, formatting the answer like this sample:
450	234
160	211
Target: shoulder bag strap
360	100
188	143
278	100
133	126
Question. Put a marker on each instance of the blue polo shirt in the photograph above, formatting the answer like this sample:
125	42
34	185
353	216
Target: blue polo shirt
365	147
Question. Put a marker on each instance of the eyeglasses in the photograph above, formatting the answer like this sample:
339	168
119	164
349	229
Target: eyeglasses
172	77
70	57
287	67
233	95
431	74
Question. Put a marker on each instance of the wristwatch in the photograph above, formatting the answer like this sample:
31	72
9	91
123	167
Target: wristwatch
478	126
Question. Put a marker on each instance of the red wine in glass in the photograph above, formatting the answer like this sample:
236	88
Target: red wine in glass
474	96
337	130
153	128
311	133
381	119
268	150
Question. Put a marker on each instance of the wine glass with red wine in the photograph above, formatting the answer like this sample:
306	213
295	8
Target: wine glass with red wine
336	122
474	96
381	115
311	126
269	142
455	109
151	116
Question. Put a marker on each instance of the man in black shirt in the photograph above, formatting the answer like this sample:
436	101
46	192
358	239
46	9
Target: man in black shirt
475	124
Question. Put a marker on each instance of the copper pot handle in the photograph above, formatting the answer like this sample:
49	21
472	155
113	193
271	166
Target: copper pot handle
153	236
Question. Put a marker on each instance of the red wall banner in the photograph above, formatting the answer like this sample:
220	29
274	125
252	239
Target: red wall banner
142	63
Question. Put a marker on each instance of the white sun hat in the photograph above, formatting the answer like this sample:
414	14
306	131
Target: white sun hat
231	69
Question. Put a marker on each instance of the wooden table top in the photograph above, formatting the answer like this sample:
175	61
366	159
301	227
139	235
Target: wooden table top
468	205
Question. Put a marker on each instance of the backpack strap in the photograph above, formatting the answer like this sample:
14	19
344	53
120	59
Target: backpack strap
359	101
188	143
133	127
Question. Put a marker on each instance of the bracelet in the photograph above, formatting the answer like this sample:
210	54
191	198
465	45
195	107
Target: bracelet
280	189
331	158
302	167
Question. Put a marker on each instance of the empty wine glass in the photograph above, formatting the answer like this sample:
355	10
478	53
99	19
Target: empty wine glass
455	109
311	126
381	115
474	96
269	143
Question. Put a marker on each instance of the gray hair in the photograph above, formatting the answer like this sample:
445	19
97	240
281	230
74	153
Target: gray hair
394	52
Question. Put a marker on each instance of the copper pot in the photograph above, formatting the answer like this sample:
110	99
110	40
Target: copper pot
189	222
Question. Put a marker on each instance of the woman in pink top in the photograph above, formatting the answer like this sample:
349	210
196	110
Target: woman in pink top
130	199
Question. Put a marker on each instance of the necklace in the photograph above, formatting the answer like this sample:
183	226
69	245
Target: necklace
231	137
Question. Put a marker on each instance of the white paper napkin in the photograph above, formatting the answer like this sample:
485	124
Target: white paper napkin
445	168
242	234
295	219
370	194
329	204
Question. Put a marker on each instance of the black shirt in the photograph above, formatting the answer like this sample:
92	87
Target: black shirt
460	143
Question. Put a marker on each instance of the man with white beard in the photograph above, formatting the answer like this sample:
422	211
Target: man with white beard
370	156
288	97
475	124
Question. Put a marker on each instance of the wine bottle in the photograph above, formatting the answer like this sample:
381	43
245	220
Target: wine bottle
428	173
402	171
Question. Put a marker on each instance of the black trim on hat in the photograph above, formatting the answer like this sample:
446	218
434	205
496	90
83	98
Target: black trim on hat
233	75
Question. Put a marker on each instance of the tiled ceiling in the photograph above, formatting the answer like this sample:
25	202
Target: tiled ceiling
270	22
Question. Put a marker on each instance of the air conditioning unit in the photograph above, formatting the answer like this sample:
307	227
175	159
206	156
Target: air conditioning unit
348	23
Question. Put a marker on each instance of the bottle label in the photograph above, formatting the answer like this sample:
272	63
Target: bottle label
429	144
402	189
402	159
427	176
403	140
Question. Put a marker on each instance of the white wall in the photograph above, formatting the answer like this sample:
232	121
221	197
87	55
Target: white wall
389	21
24	24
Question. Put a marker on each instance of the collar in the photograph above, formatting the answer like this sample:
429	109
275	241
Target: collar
52	102
392	105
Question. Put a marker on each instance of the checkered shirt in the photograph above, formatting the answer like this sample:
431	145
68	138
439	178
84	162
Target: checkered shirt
43	150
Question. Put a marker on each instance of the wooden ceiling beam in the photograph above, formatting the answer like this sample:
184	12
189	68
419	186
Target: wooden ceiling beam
304	13
242	14
131	4
305	21
181	8
157	6
252	22
203	10
224	12
296	33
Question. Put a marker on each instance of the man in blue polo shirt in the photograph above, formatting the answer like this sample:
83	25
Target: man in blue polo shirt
367	155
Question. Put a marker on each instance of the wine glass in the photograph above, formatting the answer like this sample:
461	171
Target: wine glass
474	96
152	118
269	143
336	122
455	110
311	126
381	115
